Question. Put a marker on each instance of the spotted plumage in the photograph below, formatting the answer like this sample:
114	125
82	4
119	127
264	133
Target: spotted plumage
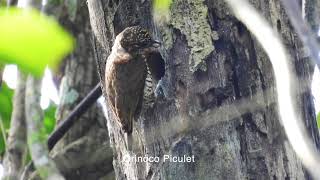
126	73
135	39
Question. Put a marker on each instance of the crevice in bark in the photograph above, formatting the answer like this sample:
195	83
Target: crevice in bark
279	25
235	80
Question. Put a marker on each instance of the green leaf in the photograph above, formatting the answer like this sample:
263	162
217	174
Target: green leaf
161	11
32	40
162	5
6	96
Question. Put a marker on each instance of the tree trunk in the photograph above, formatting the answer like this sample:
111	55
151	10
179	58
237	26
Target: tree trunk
84	152
219	101
17	140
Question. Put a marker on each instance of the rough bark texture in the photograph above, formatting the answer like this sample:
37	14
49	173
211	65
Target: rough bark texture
220	97
84	152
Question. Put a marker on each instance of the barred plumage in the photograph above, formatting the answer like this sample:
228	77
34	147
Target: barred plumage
148	95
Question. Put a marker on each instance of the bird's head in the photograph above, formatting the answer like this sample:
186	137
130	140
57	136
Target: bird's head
136	39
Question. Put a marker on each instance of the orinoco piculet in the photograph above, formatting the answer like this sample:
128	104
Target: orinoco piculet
126	72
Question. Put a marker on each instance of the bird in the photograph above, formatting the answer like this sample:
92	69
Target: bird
126	73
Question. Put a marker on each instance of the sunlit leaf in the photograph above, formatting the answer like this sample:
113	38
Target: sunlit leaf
162	4
161	11
32	40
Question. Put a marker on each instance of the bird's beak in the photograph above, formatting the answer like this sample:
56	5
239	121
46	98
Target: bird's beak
155	43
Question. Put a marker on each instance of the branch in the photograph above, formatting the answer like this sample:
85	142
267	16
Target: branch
291	120
80	109
36	137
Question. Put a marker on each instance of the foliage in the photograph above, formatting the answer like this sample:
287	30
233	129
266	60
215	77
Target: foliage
49	118
161	10
32	40
162	5
3	3
6	95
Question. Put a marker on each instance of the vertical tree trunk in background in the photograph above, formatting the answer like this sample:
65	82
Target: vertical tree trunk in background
17	140
84	152
220	96
37	145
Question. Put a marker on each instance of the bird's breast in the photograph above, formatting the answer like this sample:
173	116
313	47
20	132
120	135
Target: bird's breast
126	76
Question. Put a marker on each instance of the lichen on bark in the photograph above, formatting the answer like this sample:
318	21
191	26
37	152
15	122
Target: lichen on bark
190	17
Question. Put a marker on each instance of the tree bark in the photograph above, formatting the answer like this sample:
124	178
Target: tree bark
84	151
220	97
